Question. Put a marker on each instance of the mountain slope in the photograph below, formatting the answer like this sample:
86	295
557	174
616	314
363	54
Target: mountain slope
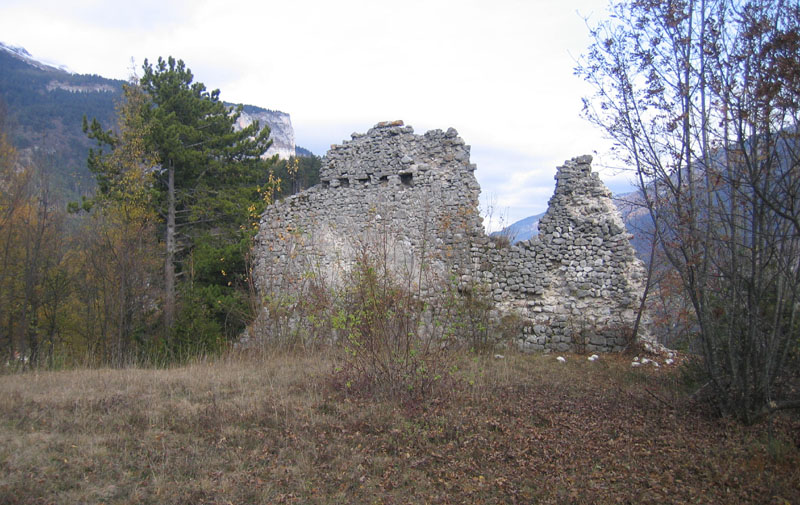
43	108
521	230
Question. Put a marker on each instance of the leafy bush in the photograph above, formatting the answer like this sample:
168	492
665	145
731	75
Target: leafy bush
378	323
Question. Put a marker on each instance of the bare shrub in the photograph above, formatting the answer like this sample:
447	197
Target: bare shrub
700	99
377	321
475	322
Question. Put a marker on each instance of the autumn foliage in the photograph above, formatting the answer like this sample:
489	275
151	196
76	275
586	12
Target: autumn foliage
701	101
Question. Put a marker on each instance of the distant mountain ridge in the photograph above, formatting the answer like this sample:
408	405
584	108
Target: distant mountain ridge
23	54
45	105
43	112
522	230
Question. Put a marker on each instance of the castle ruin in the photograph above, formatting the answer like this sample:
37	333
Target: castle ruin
576	286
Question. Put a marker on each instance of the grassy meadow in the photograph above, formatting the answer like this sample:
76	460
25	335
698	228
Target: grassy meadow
278	428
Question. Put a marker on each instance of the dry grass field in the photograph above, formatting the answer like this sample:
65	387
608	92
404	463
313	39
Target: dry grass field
275	428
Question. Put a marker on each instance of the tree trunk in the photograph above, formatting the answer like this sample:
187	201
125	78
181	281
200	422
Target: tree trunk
647	285
169	262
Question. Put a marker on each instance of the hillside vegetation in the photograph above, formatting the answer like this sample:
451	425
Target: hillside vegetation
277	428
46	119
175	187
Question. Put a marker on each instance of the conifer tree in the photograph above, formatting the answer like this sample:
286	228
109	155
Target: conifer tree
204	163
205	178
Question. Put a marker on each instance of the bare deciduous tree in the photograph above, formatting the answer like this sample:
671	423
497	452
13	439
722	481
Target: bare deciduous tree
702	99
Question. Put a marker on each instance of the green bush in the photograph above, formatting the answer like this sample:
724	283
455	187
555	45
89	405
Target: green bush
377	322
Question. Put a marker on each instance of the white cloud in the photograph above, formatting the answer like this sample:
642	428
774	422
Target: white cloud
500	72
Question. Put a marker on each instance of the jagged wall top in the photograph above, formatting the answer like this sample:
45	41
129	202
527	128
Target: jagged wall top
579	280
390	148
413	192
581	195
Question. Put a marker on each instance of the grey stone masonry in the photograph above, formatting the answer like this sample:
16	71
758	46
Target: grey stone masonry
414	199
578	283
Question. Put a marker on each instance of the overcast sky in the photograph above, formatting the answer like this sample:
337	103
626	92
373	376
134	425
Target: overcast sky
499	72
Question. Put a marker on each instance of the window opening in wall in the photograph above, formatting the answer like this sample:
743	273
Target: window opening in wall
384	179
343	182
326	184
406	179
364	181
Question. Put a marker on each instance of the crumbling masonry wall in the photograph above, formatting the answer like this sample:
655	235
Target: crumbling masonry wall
414	199
579	281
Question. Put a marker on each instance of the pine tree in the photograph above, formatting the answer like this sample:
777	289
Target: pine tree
205	164
204	178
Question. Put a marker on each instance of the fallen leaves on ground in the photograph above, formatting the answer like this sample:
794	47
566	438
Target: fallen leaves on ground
524	429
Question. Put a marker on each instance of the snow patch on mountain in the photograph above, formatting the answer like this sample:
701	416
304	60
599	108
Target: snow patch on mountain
23	54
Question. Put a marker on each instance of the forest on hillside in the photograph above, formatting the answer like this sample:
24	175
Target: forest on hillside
48	122
151	263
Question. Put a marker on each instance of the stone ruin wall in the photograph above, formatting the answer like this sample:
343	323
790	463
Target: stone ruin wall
579	282
388	190
414	198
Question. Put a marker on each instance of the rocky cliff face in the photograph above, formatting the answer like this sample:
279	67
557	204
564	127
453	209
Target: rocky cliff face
280	127
94	88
